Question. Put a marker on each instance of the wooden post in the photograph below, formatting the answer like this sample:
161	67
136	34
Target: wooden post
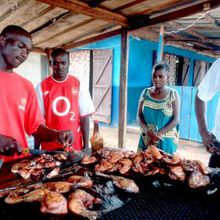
123	90
160	45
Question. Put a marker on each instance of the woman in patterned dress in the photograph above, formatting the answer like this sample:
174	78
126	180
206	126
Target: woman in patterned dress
159	112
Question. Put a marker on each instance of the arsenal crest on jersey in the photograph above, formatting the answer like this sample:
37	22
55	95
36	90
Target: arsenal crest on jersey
75	91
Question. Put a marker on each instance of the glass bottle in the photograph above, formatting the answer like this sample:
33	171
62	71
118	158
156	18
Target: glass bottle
96	140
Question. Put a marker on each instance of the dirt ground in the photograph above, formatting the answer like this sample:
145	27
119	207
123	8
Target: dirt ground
187	149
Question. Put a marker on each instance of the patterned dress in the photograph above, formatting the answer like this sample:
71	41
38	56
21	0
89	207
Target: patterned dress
157	114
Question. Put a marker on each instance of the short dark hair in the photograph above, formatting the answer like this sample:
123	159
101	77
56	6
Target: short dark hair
14	29
58	51
161	66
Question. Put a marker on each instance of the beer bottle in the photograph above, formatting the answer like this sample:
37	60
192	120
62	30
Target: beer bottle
96	140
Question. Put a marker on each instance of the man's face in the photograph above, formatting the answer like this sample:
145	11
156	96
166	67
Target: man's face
60	65
16	49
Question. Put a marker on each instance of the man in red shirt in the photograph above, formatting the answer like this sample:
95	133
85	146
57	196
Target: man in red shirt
20	113
65	102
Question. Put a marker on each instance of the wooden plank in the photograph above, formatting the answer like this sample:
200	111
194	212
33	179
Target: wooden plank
14	15
185	112
149	7
177	13
128	5
8	8
97	13
180	37
76	34
38	50
93	39
122	125
102	84
37	15
114	4
190	31
61	27
44	18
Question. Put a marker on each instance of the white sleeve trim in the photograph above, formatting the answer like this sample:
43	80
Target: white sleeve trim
40	99
86	106
210	85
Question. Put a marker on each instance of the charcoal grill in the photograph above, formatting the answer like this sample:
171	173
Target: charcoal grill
163	202
175	201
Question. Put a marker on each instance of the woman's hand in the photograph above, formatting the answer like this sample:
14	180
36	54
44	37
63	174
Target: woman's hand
154	136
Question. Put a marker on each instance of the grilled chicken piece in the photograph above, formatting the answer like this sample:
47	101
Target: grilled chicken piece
125	184
18	166
20	190
37	172
177	173
154	152
80	181
197	179
54	203
33	196
88	160
60	157
137	159
124	165
52	164
60	187
80	201
104	166
114	156
188	165
193	165
203	169
171	160
151	171
25	173
53	173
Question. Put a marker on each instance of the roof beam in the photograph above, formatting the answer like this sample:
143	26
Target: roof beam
92	39
177	37
128	5
212	20
190	31
178	13
75	26
45	11
166	5
12	10
83	8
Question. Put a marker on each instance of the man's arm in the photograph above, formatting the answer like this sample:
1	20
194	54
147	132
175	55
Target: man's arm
200	108
45	134
84	122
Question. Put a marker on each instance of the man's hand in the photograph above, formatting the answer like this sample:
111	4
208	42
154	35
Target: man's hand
65	138
208	141
9	146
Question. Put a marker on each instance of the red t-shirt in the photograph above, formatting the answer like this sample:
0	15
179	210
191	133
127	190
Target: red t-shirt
62	104
19	112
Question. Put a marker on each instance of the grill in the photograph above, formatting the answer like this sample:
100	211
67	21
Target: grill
168	203
159	198
162	202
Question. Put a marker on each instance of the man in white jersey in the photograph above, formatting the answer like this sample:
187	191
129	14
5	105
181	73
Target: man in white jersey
207	89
